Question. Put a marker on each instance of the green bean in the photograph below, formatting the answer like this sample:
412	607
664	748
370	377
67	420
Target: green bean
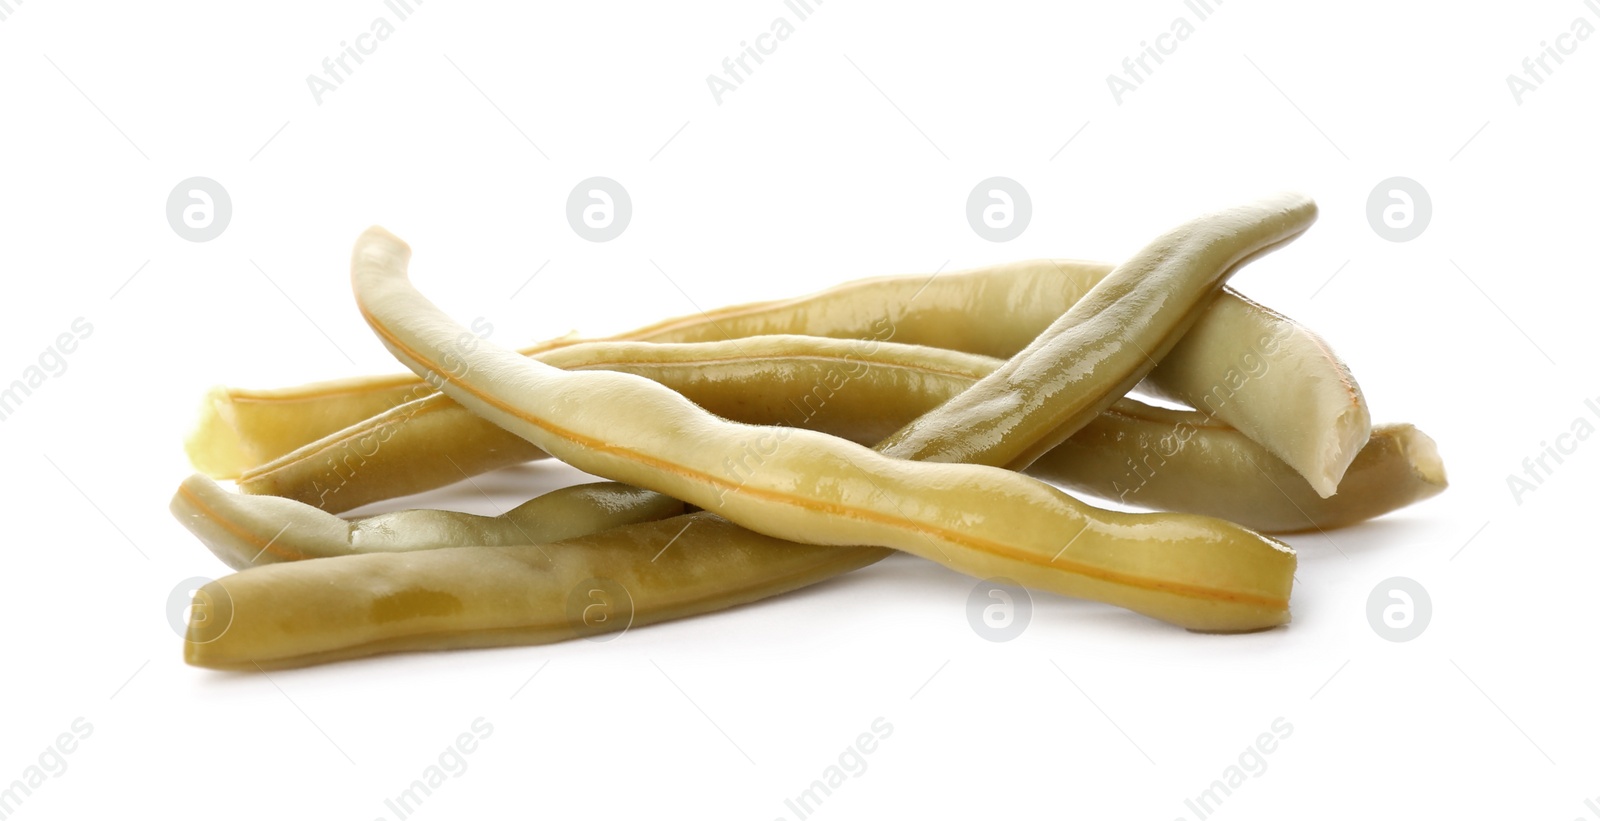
1200	573
312	612
1280	385
238	428
246	531
1183	460
1112	337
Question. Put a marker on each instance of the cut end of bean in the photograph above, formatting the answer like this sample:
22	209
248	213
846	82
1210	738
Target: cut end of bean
213	444
1422	452
1346	436
1417	450
1255	583
1398	466
1192	571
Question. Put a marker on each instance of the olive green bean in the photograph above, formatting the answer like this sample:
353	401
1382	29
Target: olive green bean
312	612
1318	420
1112	337
1183	460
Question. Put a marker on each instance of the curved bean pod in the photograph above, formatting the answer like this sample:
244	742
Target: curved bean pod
1200	573
1317	421
248	531
301	613
1109	339
1181	460
1239	362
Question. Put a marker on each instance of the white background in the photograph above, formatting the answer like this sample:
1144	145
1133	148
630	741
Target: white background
850	152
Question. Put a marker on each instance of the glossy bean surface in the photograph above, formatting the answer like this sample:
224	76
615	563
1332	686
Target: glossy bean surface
249	531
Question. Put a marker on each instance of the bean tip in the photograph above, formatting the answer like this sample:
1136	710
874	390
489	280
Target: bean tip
213	444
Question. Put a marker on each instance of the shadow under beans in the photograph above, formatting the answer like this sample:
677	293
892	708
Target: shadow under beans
1387	534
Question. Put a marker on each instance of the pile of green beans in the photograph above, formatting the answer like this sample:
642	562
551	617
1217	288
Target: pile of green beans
758	449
